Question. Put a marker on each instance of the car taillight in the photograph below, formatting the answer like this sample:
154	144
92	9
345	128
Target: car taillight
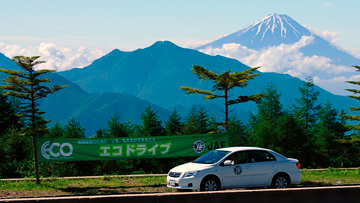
298	165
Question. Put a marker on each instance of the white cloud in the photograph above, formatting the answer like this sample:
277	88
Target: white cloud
285	58
353	52
337	85
326	35
329	36
58	58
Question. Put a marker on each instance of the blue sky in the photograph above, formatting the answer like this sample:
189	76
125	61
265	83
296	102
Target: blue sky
74	33
128	25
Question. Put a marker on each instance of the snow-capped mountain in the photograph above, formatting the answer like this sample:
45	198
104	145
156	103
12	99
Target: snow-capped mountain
280	44
272	30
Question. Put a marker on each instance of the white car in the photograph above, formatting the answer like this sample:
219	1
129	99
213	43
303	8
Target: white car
235	167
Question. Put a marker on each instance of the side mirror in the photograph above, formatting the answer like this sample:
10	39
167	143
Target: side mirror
227	162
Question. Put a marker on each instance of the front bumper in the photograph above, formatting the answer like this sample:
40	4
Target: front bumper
190	183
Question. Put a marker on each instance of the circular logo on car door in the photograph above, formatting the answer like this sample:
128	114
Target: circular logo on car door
199	146
237	170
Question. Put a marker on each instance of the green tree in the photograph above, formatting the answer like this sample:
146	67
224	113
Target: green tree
355	127
277	129
351	144
27	85
56	131
189	125
100	133
173	125
152	125
73	129
115	127
202	121
224	83
294	140
8	117
131	129
266	125
305	108
198	121
270	106
239	132
15	152
305	112
212	125
329	130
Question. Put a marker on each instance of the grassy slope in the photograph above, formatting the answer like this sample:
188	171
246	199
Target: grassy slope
149	184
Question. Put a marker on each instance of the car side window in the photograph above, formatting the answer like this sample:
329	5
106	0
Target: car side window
261	156
238	158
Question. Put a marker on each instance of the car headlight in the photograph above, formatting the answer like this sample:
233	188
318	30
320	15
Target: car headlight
190	174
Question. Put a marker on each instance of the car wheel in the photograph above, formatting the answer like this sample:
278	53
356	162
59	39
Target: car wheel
210	184
280	181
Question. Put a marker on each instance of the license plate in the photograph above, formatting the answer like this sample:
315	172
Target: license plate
172	182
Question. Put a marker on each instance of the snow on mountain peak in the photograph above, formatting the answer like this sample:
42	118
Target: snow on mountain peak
278	25
272	30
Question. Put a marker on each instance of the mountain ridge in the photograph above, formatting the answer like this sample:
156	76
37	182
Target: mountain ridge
92	110
170	67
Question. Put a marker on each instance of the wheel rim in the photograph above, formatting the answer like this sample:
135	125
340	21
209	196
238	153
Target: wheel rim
210	185
281	182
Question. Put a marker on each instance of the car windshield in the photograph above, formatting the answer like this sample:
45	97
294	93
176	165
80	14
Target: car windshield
211	157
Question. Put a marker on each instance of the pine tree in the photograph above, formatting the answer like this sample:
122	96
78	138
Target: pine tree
212	125
73	129
115	127
270	106
305	112
28	86
130	128
305	108
8	117
152	125
329	129
100	133
224	83
56	131
15	152
239	133
202	120
356	127
189	126
266	126
198	121
173	125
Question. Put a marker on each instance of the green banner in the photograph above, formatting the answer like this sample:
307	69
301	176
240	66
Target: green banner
87	149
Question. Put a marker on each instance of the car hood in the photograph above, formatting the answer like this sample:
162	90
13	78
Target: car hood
191	167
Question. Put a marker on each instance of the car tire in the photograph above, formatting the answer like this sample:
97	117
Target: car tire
280	181
210	184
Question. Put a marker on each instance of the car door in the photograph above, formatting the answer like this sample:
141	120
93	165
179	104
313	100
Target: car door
264	165
238	173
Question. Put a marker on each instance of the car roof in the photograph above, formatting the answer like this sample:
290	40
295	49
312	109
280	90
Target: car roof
244	148
232	149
